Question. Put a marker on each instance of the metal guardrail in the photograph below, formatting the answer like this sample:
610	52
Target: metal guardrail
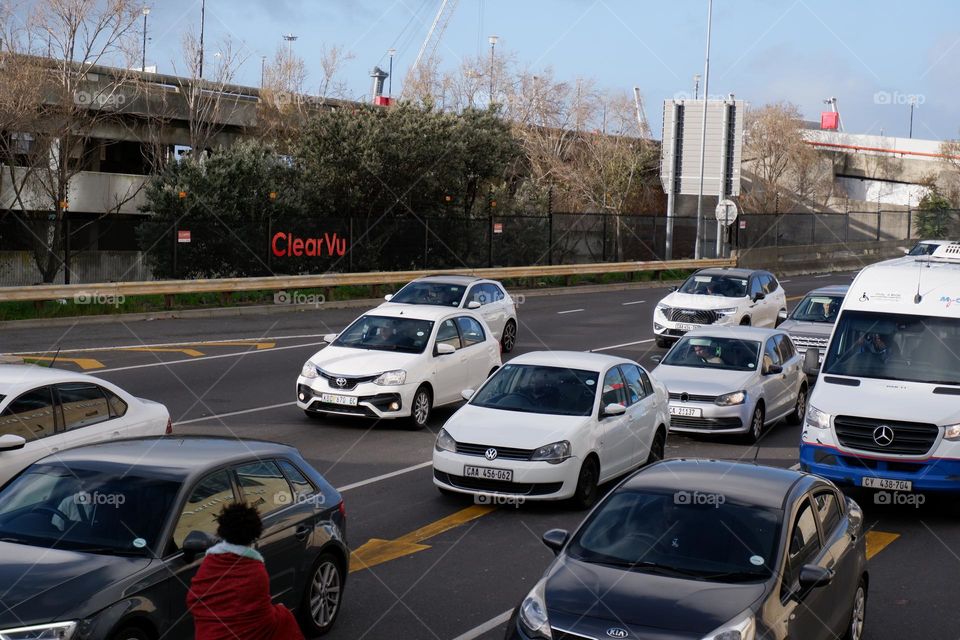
226	285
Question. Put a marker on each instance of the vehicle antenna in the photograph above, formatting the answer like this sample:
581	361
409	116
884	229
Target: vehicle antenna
55	356
917	298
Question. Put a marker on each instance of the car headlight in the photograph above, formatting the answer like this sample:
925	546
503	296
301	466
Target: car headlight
726	313
662	308
533	614
951	432
816	418
743	627
445	442
554	453
391	378
55	631
730	399
309	370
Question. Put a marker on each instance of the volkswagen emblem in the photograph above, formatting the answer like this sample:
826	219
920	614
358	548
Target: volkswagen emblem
684	397
341	382
883	435
617	632
490	454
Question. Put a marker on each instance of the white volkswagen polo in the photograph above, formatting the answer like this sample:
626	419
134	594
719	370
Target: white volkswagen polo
552	425
399	361
44	410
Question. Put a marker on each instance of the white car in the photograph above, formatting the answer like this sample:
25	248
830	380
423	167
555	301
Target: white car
720	296
398	361
733	380
486	297
44	410
552	425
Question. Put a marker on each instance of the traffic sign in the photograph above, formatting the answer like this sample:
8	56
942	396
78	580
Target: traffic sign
726	212
183	235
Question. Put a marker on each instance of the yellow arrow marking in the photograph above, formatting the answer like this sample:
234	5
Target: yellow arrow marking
190	352
83	363
258	345
377	551
877	541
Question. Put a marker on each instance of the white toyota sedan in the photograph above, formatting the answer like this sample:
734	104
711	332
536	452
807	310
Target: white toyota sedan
44	410
552	425
398	362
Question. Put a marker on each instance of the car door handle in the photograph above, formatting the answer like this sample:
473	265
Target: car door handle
301	532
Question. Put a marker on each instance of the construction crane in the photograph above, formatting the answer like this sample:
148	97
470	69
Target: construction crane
641	114
429	47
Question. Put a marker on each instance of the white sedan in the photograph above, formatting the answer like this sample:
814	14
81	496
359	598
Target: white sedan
398	362
45	410
552	425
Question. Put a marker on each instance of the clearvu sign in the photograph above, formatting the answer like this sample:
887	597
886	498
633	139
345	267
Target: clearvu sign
286	245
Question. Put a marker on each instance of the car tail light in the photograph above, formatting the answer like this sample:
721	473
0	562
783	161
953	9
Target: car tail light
169	430
343	510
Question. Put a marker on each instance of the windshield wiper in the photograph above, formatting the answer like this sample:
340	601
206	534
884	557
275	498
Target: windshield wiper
735	575
112	551
667	570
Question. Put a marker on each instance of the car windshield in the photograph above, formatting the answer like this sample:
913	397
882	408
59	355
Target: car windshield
103	509
895	347
705	352
923	249
819	308
690	534
438	293
715	285
539	389
385	333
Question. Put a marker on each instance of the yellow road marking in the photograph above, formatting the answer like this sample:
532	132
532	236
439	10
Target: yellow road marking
84	363
792	298
190	352
377	551
258	345
877	541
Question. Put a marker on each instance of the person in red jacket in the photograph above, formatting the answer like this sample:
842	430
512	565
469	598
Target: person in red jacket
229	596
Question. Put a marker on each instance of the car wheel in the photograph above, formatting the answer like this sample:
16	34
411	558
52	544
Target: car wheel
859	614
756	423
586	492
130	633
421	408
800	410
663	343
745	321
658	446
314	415
509	338
322	596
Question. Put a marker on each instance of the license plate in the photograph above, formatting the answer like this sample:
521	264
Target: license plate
886	483
487	473
333	398
686	327
689	412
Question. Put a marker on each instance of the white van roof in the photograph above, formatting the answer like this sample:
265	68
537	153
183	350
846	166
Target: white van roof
893	287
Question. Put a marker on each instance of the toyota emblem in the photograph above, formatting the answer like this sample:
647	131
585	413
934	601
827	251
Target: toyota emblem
617	632
341	382
883	435
490	454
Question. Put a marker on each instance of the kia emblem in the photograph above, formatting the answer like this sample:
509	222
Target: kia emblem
617	632
490	454
883	435
341	382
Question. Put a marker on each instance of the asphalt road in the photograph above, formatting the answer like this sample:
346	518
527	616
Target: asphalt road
469	564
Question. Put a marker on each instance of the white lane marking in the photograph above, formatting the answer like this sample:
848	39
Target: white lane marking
203	359
489	625
782	281
392	474
179	344
625	344
234	413
826	275
626	304
569	311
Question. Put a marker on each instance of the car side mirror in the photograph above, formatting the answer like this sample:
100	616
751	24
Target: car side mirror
330	337
813	576
674	289
811	362
466	394
614	409
657	358
906	252
473	304
758	296
773	370
782	315
388	297
444	349
197	543
555	539
11	442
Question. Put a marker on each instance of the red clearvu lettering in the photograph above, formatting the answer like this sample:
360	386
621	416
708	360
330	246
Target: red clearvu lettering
277	251
285	244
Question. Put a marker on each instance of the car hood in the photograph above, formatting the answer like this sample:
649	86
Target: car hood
641	598
45	585
887	400
807	328
515	429
712	382
361	362
694	301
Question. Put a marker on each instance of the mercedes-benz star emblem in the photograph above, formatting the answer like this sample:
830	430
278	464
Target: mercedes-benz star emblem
341	382
490	454
883	435
617	632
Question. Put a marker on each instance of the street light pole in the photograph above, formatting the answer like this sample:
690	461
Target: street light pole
698	247
696	86
203	12
391	52
263	69
493	43
143	60
913	103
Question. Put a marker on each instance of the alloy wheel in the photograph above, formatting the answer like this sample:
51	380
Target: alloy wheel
509	338
325	594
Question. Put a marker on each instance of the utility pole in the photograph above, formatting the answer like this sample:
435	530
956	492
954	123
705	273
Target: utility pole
203	12
143	60
913	103
696	86
493	44
263	70
698	247
391	53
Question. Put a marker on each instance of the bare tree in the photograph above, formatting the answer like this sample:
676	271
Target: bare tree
332	60
282	106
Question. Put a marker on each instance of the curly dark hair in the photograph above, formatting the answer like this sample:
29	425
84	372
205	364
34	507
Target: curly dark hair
239	523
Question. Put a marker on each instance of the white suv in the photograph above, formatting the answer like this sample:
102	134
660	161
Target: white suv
720	296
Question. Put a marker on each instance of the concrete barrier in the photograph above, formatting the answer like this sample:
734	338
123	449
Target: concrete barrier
820	258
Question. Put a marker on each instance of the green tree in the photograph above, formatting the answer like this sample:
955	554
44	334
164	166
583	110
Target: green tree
933	217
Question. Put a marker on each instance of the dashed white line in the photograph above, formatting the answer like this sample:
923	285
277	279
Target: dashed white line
180	344
626	304
392	474
825	275
569	311
625	344
489	625
205	358
233	413
783	281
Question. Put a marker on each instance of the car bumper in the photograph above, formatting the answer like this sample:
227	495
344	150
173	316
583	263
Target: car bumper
844	468
373	401
664	328
713	418
531	480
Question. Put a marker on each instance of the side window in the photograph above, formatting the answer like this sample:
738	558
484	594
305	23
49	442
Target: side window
83	404
613	389
302	487
634	388
30	416
784	348
471	331
647	385
263	486
447	334
755	286
496	292
770	353
118	407
477	294
804	545
211	494
828	510
771	284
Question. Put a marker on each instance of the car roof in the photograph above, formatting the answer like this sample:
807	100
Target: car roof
15	376
830	290
569	359
430	312
743	332
730	271
936	242
451	279
737	481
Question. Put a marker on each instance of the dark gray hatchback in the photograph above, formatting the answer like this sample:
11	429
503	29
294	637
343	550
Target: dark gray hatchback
101	542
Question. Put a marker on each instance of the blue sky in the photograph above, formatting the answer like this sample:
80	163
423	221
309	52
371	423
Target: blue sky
871	55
